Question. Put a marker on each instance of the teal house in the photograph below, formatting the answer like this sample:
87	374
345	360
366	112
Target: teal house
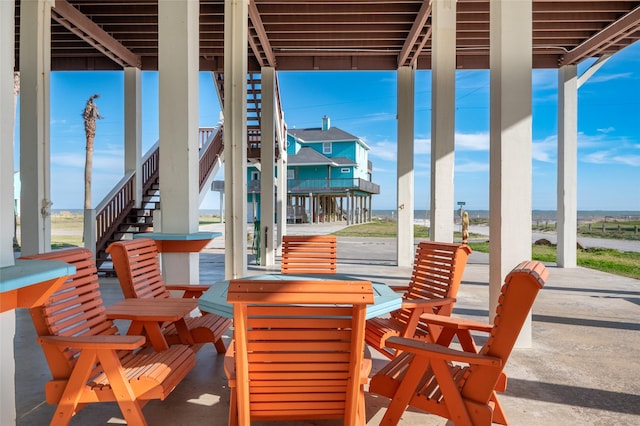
329	177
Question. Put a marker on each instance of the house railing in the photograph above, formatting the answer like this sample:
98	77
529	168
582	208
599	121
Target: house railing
304	186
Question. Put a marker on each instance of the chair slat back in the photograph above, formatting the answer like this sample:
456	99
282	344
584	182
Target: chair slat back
516	299
437	273
298	347
309	254
76	309
137	266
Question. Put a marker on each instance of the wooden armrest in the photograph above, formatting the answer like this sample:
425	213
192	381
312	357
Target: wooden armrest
427	303
433	350
188	287
95	342
456	323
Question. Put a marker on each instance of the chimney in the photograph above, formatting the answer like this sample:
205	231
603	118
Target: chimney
326	123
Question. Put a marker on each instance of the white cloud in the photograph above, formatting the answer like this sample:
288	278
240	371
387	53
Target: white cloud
472	141
607	130
68	159
422	146
601	78
384	150
378	116
611	157
629	160
472	167
103	159
545	149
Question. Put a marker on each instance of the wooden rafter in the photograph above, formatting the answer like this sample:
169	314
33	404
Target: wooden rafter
610	35
416	30
261	34
72	19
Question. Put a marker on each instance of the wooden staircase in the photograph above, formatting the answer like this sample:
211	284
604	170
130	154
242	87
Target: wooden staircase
117	218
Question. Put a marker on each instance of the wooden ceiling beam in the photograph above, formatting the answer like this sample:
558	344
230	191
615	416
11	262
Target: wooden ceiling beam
261	34
414	33
72	19
599	42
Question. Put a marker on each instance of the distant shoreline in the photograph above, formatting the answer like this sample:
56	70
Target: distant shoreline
421	215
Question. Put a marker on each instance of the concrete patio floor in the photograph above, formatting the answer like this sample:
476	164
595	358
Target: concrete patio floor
583	368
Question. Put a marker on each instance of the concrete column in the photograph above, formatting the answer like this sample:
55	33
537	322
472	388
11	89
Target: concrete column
267	175
178	62
567	166
510	145
7	120
443	102
235	136
281	203
35	169
133	128
406	108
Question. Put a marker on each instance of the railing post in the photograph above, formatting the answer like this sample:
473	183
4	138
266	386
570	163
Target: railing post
89	230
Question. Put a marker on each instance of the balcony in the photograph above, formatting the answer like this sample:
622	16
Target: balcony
328	186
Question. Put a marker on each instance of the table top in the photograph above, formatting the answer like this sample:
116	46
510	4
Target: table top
385	299
172	236
167	309
167	242
28	272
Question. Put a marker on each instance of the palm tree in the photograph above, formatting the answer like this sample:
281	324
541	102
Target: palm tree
90	116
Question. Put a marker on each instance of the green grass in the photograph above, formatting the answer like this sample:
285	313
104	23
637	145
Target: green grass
612	261
624	263
606	260
380	229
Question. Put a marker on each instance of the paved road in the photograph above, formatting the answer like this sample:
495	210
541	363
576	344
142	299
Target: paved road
623	245
327	228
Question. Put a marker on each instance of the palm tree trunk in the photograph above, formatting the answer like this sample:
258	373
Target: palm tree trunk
90	115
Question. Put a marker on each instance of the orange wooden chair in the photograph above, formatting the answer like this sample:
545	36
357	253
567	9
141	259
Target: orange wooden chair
434	284
88	359
137	266
308	254
460	385
298	350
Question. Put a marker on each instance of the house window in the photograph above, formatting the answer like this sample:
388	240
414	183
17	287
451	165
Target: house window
345	170
255	175
326	147
291	174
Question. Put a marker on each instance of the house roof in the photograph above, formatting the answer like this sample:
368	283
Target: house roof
309	157
343	161
316	134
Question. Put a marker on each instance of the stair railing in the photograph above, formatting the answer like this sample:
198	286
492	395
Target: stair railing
211	146
104	220
113	209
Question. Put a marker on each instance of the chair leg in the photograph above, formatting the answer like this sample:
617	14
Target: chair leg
498	412
405	391
220	346
125	397
233	408
73	390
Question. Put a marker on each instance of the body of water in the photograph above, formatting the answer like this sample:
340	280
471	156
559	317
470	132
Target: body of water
536	215
421	215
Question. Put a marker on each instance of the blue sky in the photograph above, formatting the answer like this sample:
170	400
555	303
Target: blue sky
364	104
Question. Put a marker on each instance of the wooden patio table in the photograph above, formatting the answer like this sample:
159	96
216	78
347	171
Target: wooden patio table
214	300
148	315
167	242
